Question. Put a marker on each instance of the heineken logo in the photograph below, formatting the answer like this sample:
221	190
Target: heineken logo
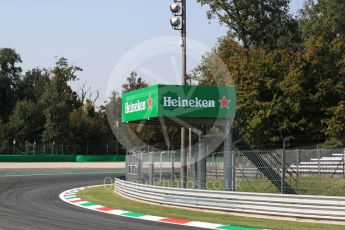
138	106
224	103
178	101
149	103
135	107
194	103
131	107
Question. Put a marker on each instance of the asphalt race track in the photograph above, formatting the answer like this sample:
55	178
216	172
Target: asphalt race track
33	203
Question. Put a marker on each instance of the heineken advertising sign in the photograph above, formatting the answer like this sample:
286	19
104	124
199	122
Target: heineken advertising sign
205	102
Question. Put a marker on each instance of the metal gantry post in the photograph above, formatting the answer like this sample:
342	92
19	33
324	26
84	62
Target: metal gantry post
151	173
141	167
161	168
172	167
196	164
127	158
202	159
229	160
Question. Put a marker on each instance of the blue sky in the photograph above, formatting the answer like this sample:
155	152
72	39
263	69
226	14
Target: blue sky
96	34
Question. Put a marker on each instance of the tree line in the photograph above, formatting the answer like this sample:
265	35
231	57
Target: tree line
39	106
289	71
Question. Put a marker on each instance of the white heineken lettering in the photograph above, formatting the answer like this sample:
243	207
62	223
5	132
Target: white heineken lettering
184	103
174	102
135	107
196	102
167	101
212	104
191	103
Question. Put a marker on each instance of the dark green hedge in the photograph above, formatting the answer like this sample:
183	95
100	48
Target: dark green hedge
61	158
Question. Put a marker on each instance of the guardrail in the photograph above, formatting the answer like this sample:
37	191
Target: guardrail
300	206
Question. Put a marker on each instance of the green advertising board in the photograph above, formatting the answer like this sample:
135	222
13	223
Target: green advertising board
177	101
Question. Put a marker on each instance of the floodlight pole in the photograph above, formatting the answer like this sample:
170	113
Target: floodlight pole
175	22
184	76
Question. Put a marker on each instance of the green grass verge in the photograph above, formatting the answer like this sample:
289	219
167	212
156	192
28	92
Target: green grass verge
106	197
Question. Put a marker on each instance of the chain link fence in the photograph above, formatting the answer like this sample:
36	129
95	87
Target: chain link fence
304	171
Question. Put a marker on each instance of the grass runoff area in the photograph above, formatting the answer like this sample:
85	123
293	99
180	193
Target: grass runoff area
106	196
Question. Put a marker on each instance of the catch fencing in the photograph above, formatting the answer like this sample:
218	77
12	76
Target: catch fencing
306	171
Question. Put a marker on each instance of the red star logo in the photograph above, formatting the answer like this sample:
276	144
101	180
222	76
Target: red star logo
149	102
224	103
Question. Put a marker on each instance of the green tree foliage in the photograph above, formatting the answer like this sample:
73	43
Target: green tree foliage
261	23
33	84
287	92
267	88
89	128
41	106
58	101
133	82
26	122
3	136
324	33
9	78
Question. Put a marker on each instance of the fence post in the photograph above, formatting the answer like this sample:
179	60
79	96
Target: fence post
107	149
297	161
344	163
282	179
233	161
318	161
195	176
160	170
215	164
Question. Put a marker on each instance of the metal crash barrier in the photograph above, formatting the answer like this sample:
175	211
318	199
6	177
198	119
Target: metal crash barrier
300	206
